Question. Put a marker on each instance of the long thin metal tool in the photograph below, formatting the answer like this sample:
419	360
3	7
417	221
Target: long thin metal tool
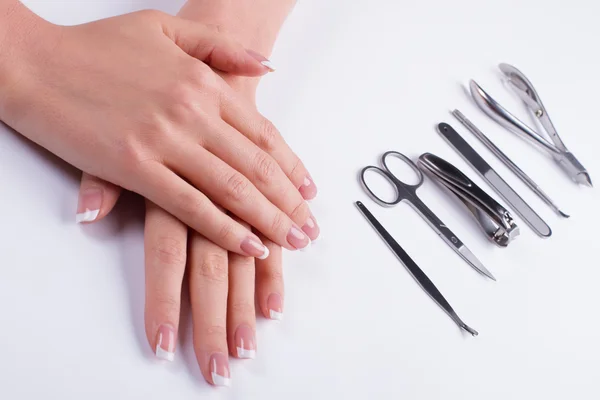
414	269
507	161
495	181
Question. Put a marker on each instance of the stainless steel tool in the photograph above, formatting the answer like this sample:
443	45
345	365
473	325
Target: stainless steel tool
494	219
525	90
408	193
495	181
508	162
414	269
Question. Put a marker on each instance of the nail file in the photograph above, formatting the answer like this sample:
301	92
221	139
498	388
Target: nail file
495	181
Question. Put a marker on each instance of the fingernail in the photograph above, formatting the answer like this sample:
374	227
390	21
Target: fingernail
219	370
165	343
297	238
262	59
311	228
88	208
255	248
244	342
308	190
275	306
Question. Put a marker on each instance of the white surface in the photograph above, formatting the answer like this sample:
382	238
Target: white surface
354	79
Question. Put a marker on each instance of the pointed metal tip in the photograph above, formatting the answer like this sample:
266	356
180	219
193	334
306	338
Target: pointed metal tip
474	262
562	214
469	329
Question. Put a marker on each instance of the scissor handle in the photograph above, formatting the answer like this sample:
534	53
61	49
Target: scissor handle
402	189
408	161
389	177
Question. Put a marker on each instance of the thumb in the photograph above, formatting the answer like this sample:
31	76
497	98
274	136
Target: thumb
96	198
217	49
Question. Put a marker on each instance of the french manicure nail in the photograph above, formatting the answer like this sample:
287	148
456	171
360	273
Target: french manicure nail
245	342
219	370
88	207
255	248
274	304
311	228
297	238
308	189
165	343
262	59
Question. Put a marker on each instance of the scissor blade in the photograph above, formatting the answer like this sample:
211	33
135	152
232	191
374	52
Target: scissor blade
469	257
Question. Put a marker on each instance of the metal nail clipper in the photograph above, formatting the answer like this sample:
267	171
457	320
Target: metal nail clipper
524	89
494	219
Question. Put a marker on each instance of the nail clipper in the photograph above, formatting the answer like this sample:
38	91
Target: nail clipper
493	218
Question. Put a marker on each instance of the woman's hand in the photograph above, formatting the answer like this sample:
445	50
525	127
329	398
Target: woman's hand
128	99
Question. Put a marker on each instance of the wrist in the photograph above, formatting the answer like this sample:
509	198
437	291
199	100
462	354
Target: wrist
20	47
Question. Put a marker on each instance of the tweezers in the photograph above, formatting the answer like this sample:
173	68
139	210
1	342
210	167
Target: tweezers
525	90
414	269
493	218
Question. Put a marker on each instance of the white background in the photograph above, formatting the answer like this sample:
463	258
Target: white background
355	79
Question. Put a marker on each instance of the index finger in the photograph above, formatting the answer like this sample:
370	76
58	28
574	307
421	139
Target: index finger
265	135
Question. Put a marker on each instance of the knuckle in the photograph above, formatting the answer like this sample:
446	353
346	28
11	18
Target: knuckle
169	252
273	276
238	188
168	303
266	168
201	76
241	308
267	139
298	172
225	232
189	206
182	101
279	222
213	267
151	15
215	330
301	213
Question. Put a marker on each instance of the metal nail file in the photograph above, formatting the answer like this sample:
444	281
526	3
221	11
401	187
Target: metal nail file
495	181
414	269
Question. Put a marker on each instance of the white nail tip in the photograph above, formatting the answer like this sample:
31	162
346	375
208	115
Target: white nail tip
276	315
87	216
243	353
219	380
268	64
265	254
164	354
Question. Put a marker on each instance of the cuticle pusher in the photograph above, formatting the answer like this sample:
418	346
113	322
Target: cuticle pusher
495	181
414	269
507	161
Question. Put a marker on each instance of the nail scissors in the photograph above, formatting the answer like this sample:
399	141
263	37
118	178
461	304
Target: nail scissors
525	90
408	193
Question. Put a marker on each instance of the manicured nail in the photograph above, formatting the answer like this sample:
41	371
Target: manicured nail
219	370
308	190
297	238
88	208
262	59
245	342
165	343
311	228
275	306
255	248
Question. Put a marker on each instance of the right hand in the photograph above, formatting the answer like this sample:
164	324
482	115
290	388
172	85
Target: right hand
132	100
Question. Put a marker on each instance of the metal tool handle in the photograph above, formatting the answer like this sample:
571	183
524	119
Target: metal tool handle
507	161
414	269
499	114
525	90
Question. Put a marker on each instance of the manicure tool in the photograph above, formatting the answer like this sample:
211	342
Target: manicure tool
524	89
494	180
507	161
414	269
495	221
409	193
